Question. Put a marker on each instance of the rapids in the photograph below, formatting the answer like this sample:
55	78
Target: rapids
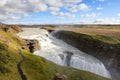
62	53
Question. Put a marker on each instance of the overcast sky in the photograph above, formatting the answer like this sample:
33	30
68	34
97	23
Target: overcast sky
60	11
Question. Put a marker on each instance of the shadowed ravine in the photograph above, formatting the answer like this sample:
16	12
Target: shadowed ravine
101	48
19	65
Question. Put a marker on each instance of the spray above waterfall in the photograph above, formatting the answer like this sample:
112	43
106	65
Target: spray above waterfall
63	54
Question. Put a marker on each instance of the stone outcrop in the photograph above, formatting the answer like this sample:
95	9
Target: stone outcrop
31	45
109	54
68	57
60	77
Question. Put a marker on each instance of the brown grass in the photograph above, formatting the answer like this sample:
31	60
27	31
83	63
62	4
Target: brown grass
112	32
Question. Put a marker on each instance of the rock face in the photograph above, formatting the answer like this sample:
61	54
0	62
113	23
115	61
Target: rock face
60	77
49	29
109	54
31	45
68	57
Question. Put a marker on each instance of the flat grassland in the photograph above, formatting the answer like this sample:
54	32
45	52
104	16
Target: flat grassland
112	30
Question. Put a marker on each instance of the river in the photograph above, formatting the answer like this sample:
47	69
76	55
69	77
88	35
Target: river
62	53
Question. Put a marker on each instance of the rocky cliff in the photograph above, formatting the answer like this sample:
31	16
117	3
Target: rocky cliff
102	47
30	45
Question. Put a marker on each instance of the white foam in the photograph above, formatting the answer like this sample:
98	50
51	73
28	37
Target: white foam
52	48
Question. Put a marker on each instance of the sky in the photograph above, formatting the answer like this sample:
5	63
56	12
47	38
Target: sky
60	11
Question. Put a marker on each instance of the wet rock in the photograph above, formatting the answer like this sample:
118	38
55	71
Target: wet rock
68	53
31	45
68	57
61	56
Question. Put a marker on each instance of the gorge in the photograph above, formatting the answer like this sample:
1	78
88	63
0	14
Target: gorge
102	47
63	54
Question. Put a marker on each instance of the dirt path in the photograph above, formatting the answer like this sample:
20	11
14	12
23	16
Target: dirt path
19	65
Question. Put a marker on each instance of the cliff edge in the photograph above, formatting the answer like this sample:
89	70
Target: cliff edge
106	49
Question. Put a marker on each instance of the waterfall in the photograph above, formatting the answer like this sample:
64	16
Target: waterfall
63	54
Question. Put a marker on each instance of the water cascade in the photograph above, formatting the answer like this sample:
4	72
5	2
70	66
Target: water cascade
63	54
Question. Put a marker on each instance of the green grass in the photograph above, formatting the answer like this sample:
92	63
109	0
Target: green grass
8	61
8	57
37	68
105	39
3	58
95	37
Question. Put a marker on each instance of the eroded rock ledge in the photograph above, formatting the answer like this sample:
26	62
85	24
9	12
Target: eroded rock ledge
31	45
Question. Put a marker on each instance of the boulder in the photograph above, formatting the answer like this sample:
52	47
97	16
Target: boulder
60	77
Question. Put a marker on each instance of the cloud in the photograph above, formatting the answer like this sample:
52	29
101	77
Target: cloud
20	7
42	7
118	14
58	13
16	9
72	1
55	3
63	14
83	7
99	8
101	21
80	7
89	15
54	8
9	17
36	6
54	13
70	15
2	3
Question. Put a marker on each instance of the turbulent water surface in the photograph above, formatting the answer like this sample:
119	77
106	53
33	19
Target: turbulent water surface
61	53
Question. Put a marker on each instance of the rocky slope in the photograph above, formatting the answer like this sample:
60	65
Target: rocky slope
34	67
102	47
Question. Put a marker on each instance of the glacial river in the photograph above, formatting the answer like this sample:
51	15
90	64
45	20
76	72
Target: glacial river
62	53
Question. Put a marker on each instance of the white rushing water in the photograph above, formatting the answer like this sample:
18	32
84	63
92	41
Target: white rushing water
61	53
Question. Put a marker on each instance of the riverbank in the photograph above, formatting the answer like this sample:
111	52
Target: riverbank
63	54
